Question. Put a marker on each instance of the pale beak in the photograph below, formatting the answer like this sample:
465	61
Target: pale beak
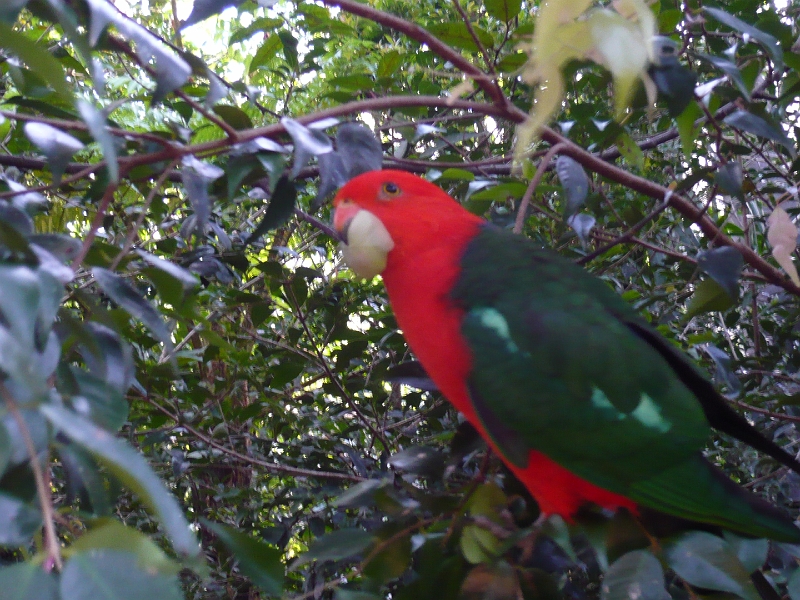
366	242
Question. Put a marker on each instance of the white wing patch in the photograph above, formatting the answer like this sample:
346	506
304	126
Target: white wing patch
492	319
648	413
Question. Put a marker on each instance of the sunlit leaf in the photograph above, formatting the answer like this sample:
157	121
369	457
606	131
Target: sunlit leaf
782	236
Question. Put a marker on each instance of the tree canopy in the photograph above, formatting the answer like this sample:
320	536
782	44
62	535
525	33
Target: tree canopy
200	401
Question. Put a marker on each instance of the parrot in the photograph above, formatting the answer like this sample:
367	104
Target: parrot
581	398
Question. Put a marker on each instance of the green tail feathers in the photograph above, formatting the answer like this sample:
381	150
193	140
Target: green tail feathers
698	491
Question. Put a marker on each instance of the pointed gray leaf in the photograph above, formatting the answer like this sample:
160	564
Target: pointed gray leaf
750	123
216	89
202	9
131	301
30	202
56	145
185	277
359	149
582	225
730	69
724	265
575	183
729	179
308	143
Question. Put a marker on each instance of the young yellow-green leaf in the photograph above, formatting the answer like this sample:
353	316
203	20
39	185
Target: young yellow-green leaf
708	296
624	50
782	236
478	545
505	10
630	151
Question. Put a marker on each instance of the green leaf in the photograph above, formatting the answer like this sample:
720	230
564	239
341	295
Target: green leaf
257	560
234	116
110	534
752	553
505	10
280	208
56	145
391	562
132	469
457	35
729	179
730	69
389	63
705	560
419	460
19	521
637	574
741	119
687	130
770	42
708	296
266	52
96	122
360	494
186	278
37	58
104	574
132	302
27	581
630	151
724	265
337	545
478	545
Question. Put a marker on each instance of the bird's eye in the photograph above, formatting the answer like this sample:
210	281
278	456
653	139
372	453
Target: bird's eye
390	190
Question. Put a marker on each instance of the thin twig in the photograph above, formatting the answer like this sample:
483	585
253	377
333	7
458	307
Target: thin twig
526	198
42	482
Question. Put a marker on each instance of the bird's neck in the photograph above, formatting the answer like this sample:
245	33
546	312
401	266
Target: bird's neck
419	287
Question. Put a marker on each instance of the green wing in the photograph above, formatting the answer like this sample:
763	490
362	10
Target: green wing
558	366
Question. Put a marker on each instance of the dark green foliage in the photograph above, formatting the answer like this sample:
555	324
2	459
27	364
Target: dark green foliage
173	369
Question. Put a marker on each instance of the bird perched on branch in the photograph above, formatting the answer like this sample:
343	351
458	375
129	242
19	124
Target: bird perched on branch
579	396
